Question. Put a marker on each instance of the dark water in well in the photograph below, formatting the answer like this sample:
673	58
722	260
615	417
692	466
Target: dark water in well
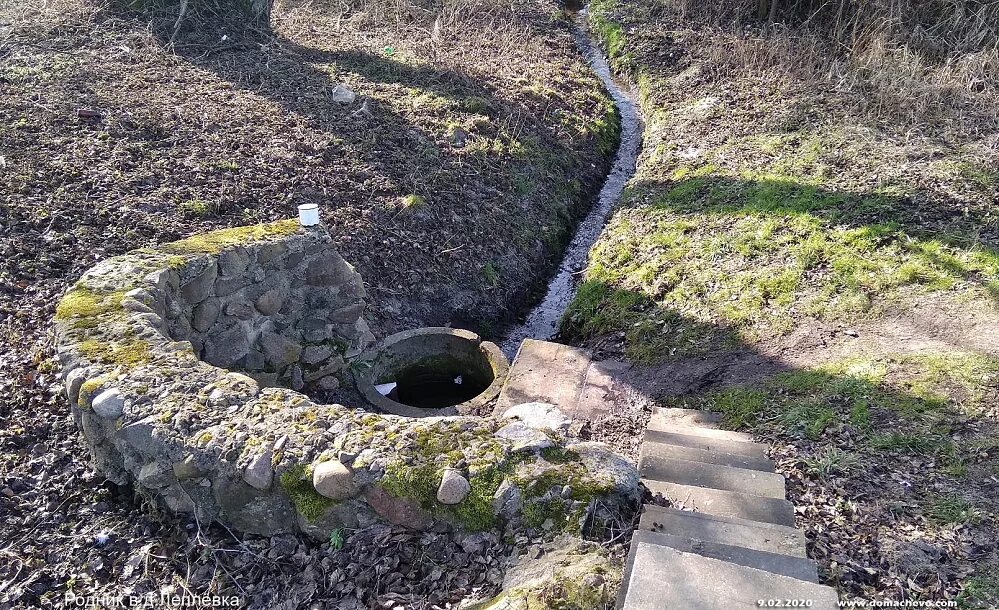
542	322
438	384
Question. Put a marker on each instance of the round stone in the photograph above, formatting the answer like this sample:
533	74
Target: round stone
333	480
108	404
453	488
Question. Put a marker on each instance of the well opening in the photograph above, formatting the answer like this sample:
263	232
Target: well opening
431	372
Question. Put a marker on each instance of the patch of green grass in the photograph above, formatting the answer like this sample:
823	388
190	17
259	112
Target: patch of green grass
905	442
490	274
981	591
918	394
198	208
982	177
754	257
609	32
831	461
413	201
950	509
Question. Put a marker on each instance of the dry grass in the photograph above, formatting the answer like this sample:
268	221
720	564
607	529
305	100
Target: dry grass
911	62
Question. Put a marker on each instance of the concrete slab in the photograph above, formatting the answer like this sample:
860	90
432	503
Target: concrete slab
700	474
726	503
663	578
653	454
795	567
600	390
657	422
744	534
545	372
709	444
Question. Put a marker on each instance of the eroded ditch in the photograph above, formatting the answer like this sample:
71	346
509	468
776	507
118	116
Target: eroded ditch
543	319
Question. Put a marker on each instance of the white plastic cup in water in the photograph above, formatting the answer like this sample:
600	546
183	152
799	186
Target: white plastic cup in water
308	214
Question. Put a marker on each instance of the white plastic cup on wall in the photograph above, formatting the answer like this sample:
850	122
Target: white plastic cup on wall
308	214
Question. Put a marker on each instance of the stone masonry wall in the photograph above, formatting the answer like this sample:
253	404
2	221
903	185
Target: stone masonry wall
287	312
144	340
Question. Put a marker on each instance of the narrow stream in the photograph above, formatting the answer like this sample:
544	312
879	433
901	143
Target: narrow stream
542	322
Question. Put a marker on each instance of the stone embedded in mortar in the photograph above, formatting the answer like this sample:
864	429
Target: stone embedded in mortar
314	354
227	347
259	474
233	262
328	270
188	468
524	438
242	309
198	289
270	302
108	404
348	314
205	315
329	383
508	500
333	480
453	488
539	415
156	474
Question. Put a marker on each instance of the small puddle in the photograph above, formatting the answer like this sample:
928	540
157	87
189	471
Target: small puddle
542	322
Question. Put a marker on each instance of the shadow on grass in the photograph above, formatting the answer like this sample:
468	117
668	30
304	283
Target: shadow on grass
759	256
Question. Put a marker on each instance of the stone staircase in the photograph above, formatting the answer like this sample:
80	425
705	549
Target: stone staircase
728	541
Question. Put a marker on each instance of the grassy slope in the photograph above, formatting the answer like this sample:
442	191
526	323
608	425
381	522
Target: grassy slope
765	206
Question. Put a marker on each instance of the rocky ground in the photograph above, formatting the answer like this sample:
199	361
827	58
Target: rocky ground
450	147
815	257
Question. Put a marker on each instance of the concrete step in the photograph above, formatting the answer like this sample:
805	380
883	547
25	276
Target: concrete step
736	532
700	474
689	417
662	424
709	444
653	454
778	563
663	578
726	503
547	372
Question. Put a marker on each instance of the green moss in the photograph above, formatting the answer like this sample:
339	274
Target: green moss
197	208
413	201
128	353
89	388
217	241
559	455
297	482
82	302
